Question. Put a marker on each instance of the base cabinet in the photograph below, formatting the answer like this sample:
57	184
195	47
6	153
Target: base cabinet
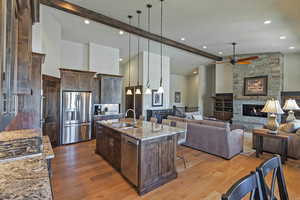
155	159
108	145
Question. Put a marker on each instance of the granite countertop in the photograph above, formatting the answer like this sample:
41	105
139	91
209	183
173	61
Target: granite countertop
25	179
47	148
19	134
144	130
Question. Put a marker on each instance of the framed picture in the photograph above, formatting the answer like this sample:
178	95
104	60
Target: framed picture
256	86
157	99
177	97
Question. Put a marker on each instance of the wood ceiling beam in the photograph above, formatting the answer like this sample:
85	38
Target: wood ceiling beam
92	15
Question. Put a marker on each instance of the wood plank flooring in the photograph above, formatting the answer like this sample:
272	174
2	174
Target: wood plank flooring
80	174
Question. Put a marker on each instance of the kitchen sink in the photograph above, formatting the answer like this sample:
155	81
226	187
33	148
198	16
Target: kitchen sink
123	125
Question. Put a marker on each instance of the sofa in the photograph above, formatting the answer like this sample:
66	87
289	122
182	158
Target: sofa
213	137
272	145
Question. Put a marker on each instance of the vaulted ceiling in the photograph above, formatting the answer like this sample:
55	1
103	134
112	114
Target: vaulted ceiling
210	23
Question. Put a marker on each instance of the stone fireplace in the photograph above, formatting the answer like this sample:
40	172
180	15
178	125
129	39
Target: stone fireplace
271	65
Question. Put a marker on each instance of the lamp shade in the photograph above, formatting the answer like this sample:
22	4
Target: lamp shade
272	106
291	104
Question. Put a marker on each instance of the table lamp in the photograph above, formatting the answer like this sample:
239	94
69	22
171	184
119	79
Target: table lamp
291	105
273	107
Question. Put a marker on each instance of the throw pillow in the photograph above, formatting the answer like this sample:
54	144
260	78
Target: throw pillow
290	127
298	132
197	117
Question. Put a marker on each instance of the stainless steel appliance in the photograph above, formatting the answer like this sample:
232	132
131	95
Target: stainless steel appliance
129	159
76	116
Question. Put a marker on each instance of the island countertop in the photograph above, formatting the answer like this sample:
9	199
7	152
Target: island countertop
143	130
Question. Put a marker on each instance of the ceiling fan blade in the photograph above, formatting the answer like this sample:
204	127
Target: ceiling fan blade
222	62
249	58
244	63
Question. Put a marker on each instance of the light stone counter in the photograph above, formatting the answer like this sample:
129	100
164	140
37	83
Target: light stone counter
143	130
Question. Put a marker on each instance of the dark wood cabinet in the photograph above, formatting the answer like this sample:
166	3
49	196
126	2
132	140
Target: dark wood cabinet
110	89
17	64
223	106
76	80
108	145
157	163
135	100
51	108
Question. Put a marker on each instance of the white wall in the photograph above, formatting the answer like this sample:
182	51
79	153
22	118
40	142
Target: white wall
47	39
291	74
178	83
51	38
155	79
224	78
103	59
74	55
192	91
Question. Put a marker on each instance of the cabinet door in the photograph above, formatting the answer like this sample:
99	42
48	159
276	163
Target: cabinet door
111	90
51	103
69	80
117	154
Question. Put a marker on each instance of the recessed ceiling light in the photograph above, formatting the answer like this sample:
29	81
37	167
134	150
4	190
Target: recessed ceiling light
87	21
195	72
220	52
267	22
204	47
291	47
121	59
182	39
282	37
121	32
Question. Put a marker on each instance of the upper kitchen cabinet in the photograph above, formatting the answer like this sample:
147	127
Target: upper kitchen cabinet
110	89
16	20
77	80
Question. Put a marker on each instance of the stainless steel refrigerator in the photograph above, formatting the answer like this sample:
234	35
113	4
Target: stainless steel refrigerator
76	117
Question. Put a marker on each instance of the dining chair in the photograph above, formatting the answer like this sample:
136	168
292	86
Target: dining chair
249	185
273	166
181	137
142	118
166	122
153	120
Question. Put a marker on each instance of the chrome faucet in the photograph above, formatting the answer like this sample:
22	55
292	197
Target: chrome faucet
134	115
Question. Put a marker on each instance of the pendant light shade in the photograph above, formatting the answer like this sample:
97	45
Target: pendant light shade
138	90
129	92
148	90
161	89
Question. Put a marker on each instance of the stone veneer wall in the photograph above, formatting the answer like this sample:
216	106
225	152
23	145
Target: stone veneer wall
270	64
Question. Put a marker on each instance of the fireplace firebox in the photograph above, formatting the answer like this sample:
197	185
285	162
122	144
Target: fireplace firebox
253	110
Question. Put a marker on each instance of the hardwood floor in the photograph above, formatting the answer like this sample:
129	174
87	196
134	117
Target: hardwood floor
80	174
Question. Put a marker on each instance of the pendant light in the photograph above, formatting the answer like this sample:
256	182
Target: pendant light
129	91
148	90
138	90
161	89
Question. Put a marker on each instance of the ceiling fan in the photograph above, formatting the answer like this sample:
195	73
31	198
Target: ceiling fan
233	60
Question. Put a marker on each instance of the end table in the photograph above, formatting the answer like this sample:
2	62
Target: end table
262	133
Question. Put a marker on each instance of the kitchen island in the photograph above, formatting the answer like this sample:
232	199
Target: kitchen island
143	152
